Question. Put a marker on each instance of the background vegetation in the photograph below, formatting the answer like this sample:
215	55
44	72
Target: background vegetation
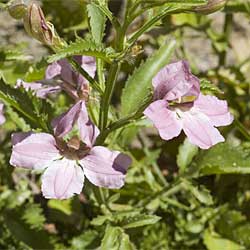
176	196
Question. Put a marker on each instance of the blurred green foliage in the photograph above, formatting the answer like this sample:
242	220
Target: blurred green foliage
176	197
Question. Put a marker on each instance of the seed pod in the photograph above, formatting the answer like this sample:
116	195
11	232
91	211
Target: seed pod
17	9
211	7
36	26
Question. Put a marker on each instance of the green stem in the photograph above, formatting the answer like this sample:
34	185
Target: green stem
155	166
124	121
85	74
100	73
106	99
227	31
150	23
166	191
242	129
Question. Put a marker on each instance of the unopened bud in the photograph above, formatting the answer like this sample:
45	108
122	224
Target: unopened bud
211	7
17	9
36	26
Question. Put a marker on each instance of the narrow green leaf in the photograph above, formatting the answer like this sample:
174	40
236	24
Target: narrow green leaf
187	151
97	22
139	84
140	221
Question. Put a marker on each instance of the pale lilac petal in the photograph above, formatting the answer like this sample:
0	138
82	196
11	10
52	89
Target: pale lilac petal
33	150
40	89
76	114
105	168
88	63
88	130
2	118
53	70
164	119
199	130
174	81
62	179
216	110
63	124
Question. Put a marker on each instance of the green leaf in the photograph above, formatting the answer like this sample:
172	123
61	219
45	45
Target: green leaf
82	47
223	159
139	84
214	241
34	110
84	240
234	225
140	221
201	194
209	88
187	151
22	232
61	205
33	215
116	239
97	22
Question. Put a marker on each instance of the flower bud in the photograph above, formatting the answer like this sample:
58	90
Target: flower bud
211	6
36	26
17	9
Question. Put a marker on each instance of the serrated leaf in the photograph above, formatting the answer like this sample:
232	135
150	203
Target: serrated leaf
97	22
29	107
138	85
22	232
19	121
208	87
82	47
116	239
186	153
222	159
33	215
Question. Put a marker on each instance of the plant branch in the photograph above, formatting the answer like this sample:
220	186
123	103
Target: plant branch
85	74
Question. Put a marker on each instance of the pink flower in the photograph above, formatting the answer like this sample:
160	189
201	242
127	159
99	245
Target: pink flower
67	163
60	75
72	82
2	118
179	105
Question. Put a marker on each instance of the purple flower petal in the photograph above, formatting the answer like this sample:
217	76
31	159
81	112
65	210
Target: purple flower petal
105	168
41	90
174	81
199	129
53	70
77	113
2	118
215	109
62	179
164	119
33	150
67	74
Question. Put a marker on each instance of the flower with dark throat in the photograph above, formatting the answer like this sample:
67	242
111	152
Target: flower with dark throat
67	162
